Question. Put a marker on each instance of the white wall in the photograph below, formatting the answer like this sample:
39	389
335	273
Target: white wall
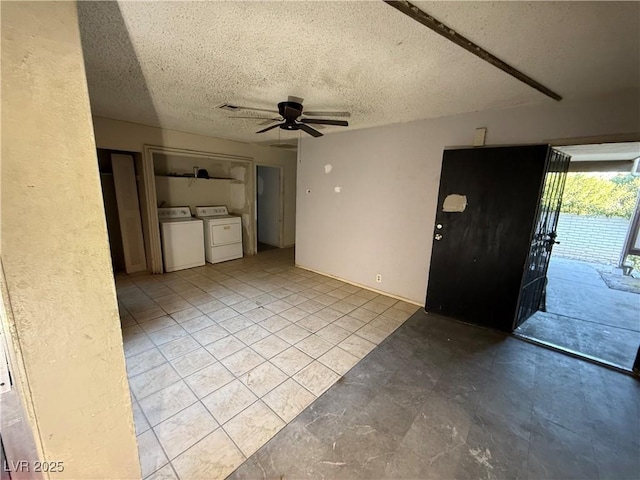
382	220
62	322
268	196
178	192
118	135
231	185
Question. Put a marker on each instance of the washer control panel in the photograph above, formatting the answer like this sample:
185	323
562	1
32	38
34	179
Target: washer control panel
174	212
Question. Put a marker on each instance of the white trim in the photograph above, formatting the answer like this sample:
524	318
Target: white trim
613	138
149	180
183	152
387	294
148	177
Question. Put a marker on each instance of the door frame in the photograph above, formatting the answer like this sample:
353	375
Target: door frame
632	235
281	202
150	216
613	138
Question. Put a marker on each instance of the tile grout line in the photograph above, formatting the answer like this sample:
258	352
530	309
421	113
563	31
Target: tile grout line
273	286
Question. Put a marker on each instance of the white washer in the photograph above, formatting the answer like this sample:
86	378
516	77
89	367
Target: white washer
222	234
182	239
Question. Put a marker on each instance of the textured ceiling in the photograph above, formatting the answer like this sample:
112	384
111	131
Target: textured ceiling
171	64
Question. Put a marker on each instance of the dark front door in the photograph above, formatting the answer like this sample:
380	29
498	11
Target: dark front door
487	207
534	280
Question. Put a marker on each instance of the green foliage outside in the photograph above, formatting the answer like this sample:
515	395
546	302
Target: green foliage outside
635	261
600	195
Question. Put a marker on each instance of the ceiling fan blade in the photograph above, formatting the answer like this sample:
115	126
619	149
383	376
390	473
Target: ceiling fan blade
309	130
268	128
327	114
323	121
256	109
295	99
267	121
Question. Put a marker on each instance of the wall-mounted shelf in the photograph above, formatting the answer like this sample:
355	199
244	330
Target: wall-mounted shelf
191	177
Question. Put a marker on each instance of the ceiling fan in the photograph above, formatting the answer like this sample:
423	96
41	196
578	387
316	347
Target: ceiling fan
291	112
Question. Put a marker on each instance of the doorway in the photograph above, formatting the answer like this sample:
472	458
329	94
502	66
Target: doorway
269	207
592	296
122	211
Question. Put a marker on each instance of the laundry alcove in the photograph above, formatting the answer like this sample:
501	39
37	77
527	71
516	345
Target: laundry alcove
170	179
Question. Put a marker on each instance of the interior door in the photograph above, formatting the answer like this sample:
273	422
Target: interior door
124	179
534	280
487	205
268	205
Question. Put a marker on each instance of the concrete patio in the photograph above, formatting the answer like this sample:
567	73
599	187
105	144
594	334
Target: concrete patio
586	316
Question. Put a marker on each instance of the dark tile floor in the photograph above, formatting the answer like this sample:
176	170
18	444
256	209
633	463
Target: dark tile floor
586	316
440	399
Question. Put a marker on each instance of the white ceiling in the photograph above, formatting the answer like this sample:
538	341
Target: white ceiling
171	64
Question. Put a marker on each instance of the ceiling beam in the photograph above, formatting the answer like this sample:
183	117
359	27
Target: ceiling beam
450	34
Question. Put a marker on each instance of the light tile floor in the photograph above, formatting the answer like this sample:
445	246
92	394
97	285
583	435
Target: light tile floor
220	358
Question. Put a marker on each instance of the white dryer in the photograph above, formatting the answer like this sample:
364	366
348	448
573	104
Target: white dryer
182	238
222	234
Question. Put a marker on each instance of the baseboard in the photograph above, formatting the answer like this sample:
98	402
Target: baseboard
397	297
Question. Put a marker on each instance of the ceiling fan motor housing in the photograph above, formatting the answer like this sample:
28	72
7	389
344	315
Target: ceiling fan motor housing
290	110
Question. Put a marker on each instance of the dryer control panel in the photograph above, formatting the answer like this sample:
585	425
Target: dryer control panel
174	212
217	211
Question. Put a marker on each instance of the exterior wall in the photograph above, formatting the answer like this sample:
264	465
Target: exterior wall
62	322
591	239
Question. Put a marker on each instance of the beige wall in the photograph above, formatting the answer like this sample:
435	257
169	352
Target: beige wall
54	250
178	192
236	194
382	220
118	135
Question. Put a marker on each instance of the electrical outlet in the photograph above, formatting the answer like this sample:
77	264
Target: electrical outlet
378	278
